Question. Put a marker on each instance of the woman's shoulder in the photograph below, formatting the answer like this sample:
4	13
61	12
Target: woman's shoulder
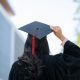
51	59
18	63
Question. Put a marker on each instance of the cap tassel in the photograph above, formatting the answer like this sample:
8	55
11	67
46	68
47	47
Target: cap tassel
33	45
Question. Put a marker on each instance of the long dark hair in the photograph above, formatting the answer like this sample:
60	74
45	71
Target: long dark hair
35	65
41	46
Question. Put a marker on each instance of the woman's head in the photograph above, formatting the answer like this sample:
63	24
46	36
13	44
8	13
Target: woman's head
35	66
41	46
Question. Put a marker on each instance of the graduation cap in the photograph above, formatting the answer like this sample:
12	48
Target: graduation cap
36	29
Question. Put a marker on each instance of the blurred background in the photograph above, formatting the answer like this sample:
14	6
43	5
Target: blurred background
16	13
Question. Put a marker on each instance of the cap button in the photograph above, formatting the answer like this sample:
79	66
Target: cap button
37	28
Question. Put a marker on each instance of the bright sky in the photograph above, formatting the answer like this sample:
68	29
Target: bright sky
52	12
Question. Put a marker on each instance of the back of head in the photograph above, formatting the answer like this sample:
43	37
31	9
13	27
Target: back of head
41	46
36	45
34	64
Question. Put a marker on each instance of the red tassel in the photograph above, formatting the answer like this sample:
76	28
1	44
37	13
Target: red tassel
33	45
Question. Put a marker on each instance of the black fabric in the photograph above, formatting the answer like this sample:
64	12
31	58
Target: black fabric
64	66
71	49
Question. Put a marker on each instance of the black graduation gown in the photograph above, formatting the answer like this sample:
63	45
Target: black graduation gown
64	66
67	66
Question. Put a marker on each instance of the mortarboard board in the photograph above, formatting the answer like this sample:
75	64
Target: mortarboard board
37	29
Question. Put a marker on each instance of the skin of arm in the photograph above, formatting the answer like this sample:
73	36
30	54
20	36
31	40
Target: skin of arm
69	47
58	32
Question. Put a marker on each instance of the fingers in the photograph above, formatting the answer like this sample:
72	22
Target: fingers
56	28
58	32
